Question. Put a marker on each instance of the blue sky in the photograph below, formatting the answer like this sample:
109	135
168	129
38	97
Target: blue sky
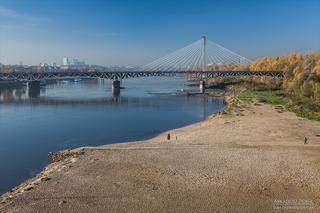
134	32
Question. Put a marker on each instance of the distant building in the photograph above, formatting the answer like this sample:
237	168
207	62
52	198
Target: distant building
7	68
81	63
66	61
44	65
75	62
78	63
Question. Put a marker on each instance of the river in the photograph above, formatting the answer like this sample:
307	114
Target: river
69	114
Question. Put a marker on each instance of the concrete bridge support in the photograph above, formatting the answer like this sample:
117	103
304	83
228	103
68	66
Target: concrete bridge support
202	86
115	88
34	89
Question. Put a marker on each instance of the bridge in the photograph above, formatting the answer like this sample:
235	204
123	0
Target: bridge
200	60
38	76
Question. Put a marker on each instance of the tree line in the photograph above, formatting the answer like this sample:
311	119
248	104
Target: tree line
302	72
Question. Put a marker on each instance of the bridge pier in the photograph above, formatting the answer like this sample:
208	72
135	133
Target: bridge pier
202	86
115	88
34	89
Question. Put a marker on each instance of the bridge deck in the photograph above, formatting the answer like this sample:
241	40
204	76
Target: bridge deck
35	76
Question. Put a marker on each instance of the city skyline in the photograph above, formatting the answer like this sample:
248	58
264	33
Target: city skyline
133	33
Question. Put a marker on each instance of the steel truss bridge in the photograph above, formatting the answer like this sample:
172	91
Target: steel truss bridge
38	76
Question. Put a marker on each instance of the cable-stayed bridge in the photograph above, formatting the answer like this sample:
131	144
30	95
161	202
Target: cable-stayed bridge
196	60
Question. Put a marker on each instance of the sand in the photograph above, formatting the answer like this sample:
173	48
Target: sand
255	162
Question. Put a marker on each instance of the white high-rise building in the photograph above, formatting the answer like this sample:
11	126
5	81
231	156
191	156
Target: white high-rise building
66	61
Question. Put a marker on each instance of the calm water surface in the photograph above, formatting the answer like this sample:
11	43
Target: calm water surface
70	114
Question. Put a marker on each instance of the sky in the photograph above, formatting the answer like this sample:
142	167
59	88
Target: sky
135	32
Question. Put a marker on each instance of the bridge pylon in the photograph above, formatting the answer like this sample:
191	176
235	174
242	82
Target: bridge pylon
204	53
34	89
116	88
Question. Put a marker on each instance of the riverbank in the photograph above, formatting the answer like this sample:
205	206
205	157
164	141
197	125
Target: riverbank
301	106
252	159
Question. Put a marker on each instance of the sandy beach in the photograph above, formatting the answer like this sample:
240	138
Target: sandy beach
253	162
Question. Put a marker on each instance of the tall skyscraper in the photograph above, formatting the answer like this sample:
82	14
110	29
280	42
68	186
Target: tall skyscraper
66	61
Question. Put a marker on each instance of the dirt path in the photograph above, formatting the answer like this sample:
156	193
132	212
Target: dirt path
252	163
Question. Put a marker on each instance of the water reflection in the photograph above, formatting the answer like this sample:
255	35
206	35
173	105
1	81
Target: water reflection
10	95
19	92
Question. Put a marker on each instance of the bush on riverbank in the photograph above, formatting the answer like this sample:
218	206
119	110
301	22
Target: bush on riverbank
302	73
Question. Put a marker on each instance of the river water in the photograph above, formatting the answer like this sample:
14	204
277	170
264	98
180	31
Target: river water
70	114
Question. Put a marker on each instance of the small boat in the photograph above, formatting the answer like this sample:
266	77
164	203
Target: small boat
77	79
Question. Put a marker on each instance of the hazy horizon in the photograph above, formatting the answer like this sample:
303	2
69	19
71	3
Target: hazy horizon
130	33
